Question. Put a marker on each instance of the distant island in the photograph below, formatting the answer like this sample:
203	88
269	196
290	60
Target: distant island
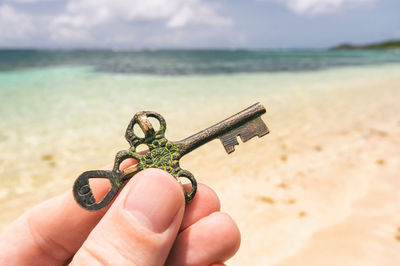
387	45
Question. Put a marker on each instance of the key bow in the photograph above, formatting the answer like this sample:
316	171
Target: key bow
161	153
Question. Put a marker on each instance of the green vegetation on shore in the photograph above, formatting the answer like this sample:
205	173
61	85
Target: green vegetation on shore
387	45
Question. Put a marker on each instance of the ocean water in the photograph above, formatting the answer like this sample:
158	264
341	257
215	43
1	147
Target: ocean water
189	62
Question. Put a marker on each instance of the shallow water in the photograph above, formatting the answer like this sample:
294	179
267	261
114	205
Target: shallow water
192	62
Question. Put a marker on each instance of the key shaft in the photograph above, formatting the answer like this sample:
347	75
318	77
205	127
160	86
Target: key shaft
221	128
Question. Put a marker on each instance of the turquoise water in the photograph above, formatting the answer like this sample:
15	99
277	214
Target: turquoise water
58	87
188	62
51	108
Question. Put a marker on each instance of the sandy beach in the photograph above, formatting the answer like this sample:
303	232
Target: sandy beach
320	189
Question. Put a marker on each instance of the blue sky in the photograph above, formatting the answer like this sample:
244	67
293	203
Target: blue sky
138	24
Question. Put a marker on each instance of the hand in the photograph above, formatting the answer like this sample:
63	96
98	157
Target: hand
147	224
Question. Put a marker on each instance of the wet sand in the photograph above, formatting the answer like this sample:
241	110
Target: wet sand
320	189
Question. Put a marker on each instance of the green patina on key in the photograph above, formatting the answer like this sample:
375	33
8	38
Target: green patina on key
165	154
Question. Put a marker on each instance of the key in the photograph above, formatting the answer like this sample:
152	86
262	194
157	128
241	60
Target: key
165	154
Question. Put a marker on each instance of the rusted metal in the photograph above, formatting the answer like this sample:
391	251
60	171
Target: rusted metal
165	154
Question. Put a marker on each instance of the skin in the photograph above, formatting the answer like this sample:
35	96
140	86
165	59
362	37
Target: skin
147	224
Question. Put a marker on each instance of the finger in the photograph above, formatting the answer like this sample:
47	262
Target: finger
51	232
203	204
124	164
48	234
213	239
141	225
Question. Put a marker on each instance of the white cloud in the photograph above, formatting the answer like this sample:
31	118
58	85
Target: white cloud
320	6
13	24
75	36
198	13
174	13
86	17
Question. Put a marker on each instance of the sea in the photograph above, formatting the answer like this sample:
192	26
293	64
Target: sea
194	62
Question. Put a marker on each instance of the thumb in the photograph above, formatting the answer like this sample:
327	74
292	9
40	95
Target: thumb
141	225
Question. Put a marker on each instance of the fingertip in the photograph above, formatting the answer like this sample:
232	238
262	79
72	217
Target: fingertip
154	198
229	230
158	178
203	204
213	239
154	173
209	196
126	163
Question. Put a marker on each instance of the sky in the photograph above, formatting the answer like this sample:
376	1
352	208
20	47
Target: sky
231	24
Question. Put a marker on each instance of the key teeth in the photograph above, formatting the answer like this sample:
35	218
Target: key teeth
230	149
247	131
229	141
245	136
263	132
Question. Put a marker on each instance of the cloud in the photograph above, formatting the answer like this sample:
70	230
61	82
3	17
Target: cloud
174	13
104	22
14	25
76	36
87	17
197	13
320	6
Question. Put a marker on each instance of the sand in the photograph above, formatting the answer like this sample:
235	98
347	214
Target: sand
320	189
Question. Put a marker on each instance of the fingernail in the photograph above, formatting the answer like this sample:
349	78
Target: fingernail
154	200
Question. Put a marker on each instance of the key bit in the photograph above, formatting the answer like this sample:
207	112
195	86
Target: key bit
165	154
255	127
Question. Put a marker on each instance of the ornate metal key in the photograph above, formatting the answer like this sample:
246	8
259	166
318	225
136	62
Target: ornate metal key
165	154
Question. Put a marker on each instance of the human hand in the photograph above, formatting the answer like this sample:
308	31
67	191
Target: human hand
147	224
